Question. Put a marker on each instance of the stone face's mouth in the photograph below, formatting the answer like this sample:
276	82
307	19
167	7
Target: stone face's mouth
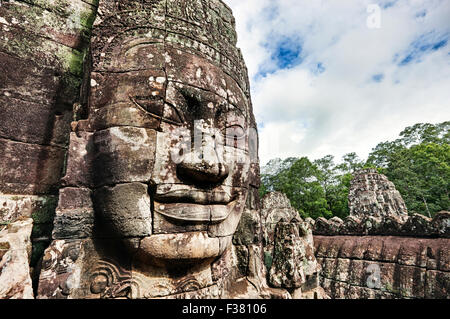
194	205
195	212
194	196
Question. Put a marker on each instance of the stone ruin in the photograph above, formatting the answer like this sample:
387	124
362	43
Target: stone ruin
377	208
95	96
379	251
373	194
289	249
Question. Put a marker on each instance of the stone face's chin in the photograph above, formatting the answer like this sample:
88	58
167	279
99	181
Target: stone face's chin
195	212
181	248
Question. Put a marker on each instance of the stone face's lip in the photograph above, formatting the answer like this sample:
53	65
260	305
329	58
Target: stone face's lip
194	196
195	212
185	246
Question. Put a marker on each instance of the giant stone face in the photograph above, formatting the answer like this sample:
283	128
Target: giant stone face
162	158
174	132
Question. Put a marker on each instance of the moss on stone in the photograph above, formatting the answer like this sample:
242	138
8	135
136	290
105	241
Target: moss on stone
268	260
46	212
87	18
28	42
72	61
64	8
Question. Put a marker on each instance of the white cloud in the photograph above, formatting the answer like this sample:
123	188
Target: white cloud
342	110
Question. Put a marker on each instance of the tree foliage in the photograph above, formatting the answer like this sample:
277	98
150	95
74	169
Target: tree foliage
315	189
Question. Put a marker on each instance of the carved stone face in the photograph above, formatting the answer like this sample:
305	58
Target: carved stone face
162	157
172	136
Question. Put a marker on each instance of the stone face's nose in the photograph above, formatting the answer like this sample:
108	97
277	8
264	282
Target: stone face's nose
202	170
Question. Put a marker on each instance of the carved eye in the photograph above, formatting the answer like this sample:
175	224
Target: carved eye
150	104
156	110
172	115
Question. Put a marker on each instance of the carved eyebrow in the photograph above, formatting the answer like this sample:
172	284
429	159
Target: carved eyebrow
163	119
140	44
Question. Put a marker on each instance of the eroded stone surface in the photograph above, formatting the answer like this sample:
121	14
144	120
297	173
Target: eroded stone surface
74	215
372	194
388	254
383	267
136	219
43	46
124	210
15	254
42	49
275	206
415	225
288	249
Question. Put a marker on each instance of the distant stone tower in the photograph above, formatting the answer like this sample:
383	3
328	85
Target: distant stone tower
372	194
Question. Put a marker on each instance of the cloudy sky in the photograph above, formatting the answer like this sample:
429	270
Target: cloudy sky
333	76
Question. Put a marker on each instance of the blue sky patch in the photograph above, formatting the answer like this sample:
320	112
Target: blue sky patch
320	68
287	54
421	14
271	12
424	44
388	4
378	77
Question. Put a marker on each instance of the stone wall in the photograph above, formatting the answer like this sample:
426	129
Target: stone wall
15	253
43	47
355	267
411	256
415	225
379	251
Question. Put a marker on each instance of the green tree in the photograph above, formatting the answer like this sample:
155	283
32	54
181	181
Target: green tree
414	135
301	185
334	183
421	173
350	163
417	163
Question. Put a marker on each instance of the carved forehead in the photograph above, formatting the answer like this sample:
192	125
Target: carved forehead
192	42
141	59
200	27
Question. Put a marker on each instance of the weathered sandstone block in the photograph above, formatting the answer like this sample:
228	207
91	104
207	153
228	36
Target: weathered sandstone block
74	215
383	266
125	207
